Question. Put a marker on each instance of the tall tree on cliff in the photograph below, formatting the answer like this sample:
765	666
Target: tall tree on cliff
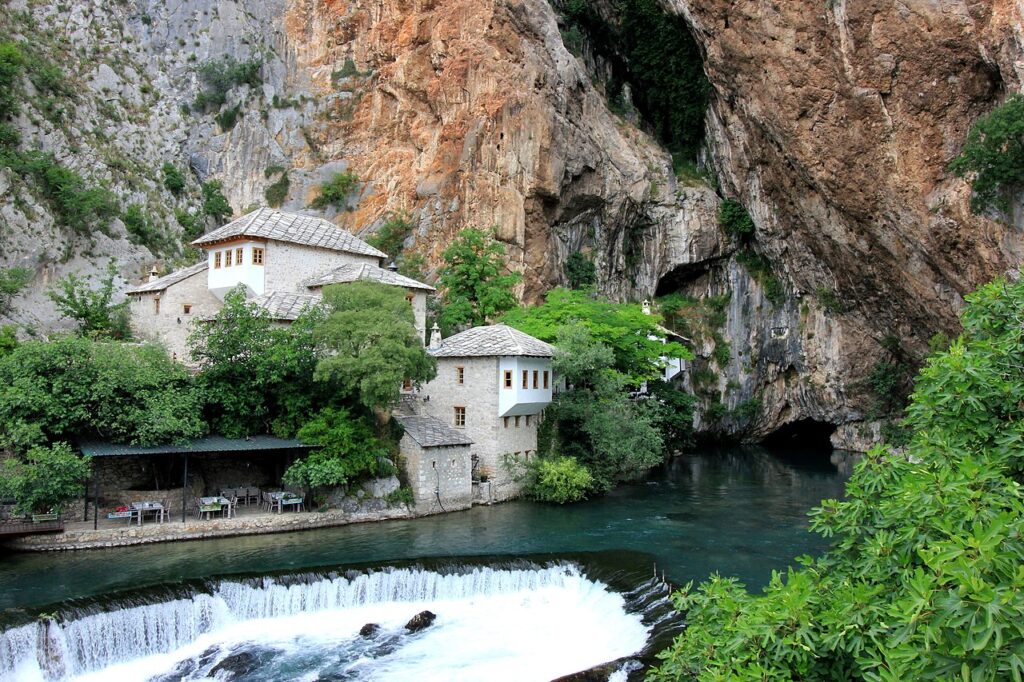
477	284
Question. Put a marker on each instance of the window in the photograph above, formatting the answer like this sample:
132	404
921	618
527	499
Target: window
527	420
526	379
238	257
227	258
156	305
409	297
216	259
186	309
505	420
517	422
460	417
407	385
460	375
257	256
536	382
508	378
546	385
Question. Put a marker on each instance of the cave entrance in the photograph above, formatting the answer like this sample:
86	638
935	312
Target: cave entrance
805	438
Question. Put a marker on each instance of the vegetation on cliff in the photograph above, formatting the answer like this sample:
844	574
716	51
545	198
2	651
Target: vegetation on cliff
924	580
993	157
477	285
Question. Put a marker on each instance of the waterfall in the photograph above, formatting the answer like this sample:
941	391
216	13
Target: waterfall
76	644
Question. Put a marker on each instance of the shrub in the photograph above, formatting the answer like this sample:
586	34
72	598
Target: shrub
74	203
580	271
399	496
12	282
141	229
829	301
337	190
734	219
215	204
12	64
174	181
47	478
390	237
227	118
8	340
92	308
277	192
347	70
220	75
761	270
559	480
994	157
192	226
348	449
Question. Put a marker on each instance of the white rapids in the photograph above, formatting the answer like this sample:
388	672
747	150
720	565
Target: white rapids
492	624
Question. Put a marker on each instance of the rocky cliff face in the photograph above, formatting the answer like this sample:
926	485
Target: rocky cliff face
832	123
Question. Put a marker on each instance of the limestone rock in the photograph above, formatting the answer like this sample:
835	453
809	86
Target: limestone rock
420	621
369	630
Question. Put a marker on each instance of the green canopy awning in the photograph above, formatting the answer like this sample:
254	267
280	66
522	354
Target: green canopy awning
199	445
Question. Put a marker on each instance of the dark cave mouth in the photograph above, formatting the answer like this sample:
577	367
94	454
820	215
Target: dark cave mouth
802	438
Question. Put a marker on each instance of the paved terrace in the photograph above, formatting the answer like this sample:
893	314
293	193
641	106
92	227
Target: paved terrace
249	520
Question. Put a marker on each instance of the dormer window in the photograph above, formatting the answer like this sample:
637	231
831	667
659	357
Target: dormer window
216	259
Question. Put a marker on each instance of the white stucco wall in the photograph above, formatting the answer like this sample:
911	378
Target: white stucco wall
225	278
518	400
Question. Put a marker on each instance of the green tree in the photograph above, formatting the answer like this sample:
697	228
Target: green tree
218	76
12	282
558	479
174	181
924	579
45	479
337	190
215	204
348	450
633	336
73	388
580	271
92	308
993	156
372	343
391	235
477	285
594	420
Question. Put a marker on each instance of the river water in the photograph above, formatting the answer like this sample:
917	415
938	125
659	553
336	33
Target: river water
522	591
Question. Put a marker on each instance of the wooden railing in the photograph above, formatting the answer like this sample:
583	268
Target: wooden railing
27	527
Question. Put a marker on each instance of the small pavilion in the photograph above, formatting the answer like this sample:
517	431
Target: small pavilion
214	459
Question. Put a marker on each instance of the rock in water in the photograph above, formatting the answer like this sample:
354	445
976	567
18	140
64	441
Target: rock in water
236	665
369	630
420	621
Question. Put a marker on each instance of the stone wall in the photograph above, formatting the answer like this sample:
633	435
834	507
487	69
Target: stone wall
172	325
440	477
289	266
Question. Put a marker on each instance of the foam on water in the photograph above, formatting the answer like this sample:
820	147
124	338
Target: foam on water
532	624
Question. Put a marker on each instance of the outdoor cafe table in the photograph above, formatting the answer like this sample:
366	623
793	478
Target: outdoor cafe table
215	501
285	498
140	508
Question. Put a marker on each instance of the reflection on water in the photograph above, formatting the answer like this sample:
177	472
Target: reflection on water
739	512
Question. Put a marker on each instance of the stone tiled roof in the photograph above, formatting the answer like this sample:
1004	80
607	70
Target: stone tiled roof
351	272
294	228
492	340
168	280
432	433
284	305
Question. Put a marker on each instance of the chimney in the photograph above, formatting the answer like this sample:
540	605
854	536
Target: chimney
392	267
646	305
153	274
435	337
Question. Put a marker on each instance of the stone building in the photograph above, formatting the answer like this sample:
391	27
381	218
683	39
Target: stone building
492	383
437	463
283	260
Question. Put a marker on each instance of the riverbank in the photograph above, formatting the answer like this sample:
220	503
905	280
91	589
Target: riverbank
81	535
